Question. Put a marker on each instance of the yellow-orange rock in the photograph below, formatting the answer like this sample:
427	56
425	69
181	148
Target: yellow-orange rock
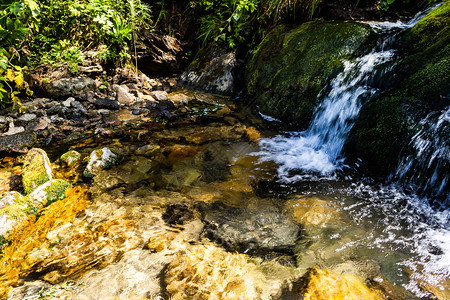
326	285
253	134
311	210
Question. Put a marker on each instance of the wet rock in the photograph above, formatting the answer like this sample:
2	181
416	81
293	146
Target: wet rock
251	230
211	71
26	117
177	214
5	181
164	108
99	160
78	106
68	101
209	272
107	103
179	99
18	142
71	157
324	285
149	150
36	169
13	130
181	176
55	110
315	52
70	86
311	210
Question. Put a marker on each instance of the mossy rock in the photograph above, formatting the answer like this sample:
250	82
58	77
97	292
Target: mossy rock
36	170
426	67
379	134
101	159
289	68
71	157
385	126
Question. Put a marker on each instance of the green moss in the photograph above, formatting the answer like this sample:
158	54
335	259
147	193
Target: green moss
56	190
18	209
70	157
288	69
35	171
379	134
426	69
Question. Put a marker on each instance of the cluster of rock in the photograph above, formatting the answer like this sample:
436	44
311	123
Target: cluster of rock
74	106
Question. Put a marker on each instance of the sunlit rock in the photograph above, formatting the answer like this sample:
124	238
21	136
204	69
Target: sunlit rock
311	210
326	285
5	181
99	160
36	170
13	209
209	272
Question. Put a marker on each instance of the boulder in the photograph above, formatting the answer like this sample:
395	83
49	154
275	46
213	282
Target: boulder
122	96
36	170
99	160
48	193
17	142
107	103
70	87
212	70
421	87
289	68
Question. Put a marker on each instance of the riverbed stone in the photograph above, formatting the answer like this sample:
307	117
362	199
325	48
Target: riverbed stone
311	211
36	170
324	285
252	230
101	159
289	68
107	103
18	142
70	86
208	272
122	96
13	209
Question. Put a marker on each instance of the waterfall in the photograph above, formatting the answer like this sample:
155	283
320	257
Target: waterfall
427	167
318	149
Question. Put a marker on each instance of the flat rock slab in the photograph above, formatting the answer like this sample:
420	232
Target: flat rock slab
17	142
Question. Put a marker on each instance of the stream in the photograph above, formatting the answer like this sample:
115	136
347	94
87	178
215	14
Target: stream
220	181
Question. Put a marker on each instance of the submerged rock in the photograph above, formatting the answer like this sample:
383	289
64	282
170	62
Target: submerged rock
311	210
325	285
287	71
209	272
36	170
255	231
99	160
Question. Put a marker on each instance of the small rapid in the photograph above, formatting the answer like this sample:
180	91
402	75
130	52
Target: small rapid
318	148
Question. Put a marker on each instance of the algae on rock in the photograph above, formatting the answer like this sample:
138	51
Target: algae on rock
289	68
36	170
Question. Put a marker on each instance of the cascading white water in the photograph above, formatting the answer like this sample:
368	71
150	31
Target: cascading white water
318	148
431	154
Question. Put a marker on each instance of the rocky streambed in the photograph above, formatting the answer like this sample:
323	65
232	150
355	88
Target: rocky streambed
158	194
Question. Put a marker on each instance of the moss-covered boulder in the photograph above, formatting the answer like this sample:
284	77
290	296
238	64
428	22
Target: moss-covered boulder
287	71
36	170
386	125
